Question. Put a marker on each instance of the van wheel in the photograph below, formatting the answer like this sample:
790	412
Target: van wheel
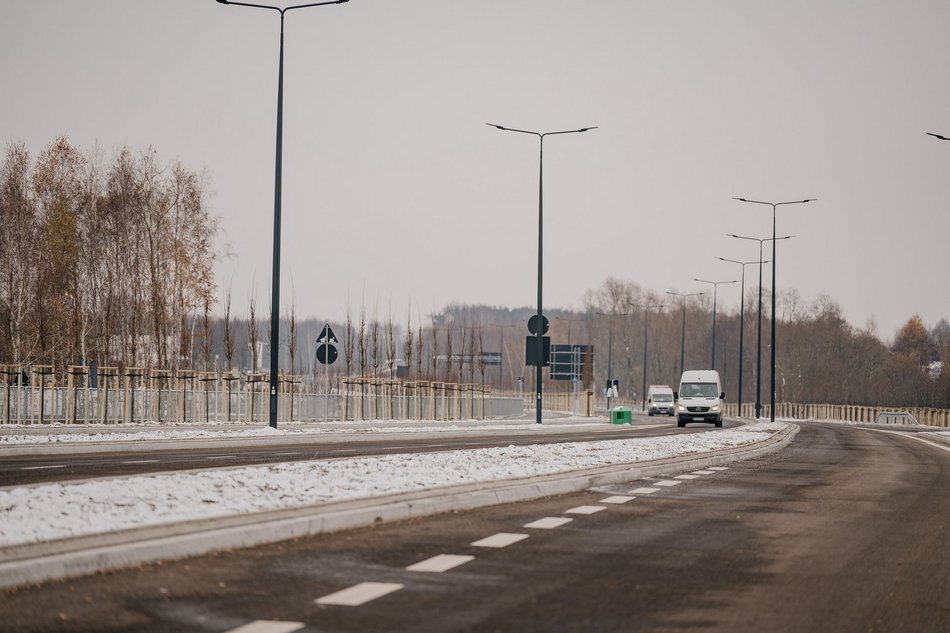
650	414
680	423
719	423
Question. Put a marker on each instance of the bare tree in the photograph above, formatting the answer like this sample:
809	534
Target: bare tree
348	340
228	330
292	336
407	344
391	345
207	335
375	343
361	339
253	331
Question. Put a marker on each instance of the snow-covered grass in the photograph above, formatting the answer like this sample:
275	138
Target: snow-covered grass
53	511
63	434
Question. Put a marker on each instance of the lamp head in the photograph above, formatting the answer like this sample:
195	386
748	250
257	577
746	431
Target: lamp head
222	1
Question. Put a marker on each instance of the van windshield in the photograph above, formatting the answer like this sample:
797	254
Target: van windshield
699	390
662	397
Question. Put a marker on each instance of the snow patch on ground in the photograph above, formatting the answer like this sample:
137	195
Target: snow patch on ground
53	511
68	436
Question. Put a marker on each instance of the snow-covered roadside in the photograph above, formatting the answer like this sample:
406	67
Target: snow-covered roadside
53	511
67	435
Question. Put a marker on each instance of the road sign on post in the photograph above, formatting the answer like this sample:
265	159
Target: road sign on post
531	351
327	335
327	354
533	324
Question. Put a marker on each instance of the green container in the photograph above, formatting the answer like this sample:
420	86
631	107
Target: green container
621	415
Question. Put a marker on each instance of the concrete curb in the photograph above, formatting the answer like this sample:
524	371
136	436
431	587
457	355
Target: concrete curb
71	558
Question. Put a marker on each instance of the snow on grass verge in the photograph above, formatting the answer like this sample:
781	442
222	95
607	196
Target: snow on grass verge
54	511
74	436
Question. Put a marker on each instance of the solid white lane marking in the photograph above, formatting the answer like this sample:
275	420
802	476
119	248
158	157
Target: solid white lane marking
360	594
440	563
268	626
667	483
643	491
221	457
617	499
585	510
43	467
718	468
141	461
548	523
502	539
704	472
687	477
289	453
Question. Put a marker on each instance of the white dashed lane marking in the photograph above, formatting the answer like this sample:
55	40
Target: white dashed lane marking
718	468
440	563
585	510
43	467
644	491
667	483
360	594
704	472
268	626
502	539
548	523
617	499
687	477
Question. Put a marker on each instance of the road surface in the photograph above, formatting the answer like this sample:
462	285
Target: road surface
845	530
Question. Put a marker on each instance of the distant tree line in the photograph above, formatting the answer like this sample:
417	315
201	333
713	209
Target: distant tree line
820	358
109	260
105	260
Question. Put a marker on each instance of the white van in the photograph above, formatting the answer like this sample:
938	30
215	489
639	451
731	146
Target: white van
660	400
699	398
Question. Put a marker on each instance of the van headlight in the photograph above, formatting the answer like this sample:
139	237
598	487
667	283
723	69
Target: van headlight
680	408
715	408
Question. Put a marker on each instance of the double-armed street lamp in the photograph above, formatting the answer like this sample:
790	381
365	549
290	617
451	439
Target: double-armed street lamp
940	136
774	206
715	285
683	335
742	315
758	327
275	278
646	328
540	330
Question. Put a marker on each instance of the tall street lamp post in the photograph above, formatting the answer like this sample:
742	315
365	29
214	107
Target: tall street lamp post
742	317
758	330
774	206
940	136
646	328
683	336
275	278
715	285
540	332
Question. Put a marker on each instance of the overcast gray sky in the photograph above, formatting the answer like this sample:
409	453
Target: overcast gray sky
394	188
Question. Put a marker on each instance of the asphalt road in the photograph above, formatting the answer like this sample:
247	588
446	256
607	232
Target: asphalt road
845	530
31	469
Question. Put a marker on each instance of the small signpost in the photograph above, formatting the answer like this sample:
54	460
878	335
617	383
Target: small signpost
326	356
